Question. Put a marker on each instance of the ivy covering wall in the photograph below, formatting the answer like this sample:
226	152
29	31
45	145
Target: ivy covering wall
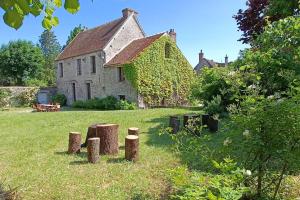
160	80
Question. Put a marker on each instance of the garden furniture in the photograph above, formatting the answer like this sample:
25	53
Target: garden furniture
132	148
133	131
74	142
108	134
93	146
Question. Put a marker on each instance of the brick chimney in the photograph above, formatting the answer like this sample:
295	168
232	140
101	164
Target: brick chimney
128	11
226	60
201	56
172	34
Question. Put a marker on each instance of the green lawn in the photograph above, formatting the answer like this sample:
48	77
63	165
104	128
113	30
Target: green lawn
33	155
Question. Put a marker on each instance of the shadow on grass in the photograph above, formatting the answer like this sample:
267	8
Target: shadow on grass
116	160
79	162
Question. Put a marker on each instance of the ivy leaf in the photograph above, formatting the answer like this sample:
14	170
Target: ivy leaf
13	19
72	6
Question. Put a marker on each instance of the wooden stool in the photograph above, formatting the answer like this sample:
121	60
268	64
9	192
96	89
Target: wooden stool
133	131
132	148
93	145
74	142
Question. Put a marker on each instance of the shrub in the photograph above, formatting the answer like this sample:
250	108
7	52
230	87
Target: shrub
227	184
271	132
215	106
108	103
126	105
59	98
27	97
5	96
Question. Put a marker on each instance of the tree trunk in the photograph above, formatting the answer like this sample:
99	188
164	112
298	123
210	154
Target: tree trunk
91	133
108	133
74	142
132	148
133	131
93	145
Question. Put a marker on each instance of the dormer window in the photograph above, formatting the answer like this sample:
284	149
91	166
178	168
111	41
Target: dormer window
167	50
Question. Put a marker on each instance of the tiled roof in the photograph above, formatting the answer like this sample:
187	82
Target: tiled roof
133	50
91	40
205	62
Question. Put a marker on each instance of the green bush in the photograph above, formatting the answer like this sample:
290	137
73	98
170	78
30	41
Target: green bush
5	96
27	97
108	103
215	106
59	98
126	105
226	184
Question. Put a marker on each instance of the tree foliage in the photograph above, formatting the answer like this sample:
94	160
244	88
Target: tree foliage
161	80
74	32
259	13
20	61
50	48
16	10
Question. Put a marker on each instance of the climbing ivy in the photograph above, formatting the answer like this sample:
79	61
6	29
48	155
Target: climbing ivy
160	80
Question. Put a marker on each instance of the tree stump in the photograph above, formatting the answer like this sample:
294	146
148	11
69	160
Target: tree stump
132	148
191	120
174	124
91	133
74	142
93	146
133	131
108	133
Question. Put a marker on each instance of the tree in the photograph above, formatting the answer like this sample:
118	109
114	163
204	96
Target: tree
50	48
20	61
16	10
78	29
259	13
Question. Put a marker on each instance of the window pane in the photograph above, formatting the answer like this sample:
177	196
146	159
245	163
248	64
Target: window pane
78	67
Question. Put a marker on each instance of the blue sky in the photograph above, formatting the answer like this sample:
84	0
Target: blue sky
200	24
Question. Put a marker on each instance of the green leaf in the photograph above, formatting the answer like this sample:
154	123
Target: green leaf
49	11
36	8
24	6
13	19
47	23
55	21
72	6
57	3
6	4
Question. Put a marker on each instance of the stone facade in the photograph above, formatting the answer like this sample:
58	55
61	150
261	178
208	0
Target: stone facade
105	81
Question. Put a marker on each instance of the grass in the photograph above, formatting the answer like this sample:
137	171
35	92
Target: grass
33	155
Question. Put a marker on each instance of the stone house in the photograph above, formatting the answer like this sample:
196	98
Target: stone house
92	64
204	62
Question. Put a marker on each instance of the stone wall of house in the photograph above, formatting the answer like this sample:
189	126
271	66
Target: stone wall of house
129	32
105	82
